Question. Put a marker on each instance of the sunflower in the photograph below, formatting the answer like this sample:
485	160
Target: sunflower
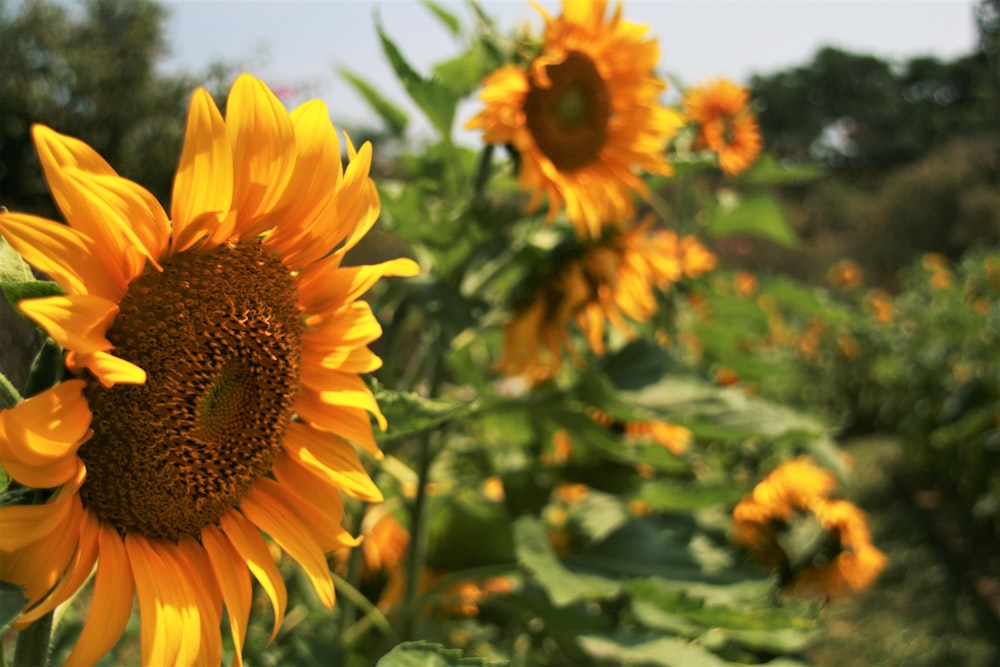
212	388
608	280
726	125
584	115
850	562
835	558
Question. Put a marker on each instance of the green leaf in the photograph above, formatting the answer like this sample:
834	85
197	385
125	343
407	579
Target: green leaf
636	365
395	119
562	585
768	171
46	370
33	289
409	413
448	20
453	518
674	496
434	98
13	268
12	601
425	654
756	215
627	648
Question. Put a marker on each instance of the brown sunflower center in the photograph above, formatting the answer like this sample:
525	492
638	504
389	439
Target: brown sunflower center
219	336
569	119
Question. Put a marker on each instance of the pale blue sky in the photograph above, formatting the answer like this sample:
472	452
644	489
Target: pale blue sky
298	43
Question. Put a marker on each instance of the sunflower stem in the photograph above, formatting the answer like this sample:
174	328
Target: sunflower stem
418	544
31	648
483	171
9	393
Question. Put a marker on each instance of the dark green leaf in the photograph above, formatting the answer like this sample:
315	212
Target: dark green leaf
33	289
625	648
674	496
12	601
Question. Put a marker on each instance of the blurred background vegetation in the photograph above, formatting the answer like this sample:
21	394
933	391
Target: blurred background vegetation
908	163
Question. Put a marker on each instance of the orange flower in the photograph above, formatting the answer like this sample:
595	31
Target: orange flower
726	124
845	274
606	281
745	283
880	303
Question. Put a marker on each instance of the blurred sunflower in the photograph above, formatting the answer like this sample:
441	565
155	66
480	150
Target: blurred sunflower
213	384
726	126
584	116
607	280
820	546
849	561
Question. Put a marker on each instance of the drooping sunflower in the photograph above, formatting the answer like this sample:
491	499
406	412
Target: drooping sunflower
610	280
212	388
584	116
726	125
836	559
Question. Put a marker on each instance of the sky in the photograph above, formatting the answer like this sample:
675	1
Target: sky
299	45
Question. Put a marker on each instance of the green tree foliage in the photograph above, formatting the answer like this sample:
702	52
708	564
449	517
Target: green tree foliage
860	114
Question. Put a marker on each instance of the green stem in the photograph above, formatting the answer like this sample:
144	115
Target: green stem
8	392
356	597
483	171
418	543
31	648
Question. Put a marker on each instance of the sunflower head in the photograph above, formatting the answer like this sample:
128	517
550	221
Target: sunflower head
726	125
583	115
213	387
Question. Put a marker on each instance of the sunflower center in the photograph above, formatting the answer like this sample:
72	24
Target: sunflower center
569	119
219	336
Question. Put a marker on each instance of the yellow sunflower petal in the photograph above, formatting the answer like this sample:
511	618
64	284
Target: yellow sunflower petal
75	321
109	369
263	142
349	423
314	184
20	525
272	511
171	625
64	254
205	589
329	456
234	582
40	565
318	503
350	326
252	549
76	574
341	389
326	284
47	426
203	184
111	602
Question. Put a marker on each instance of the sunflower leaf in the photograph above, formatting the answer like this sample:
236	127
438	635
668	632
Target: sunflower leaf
394	118
12	601
433	97
447	19
13	268
409	413
425	654
33	289
562	585
756	215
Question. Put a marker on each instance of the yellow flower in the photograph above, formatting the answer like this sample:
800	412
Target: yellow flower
745	283
852	563
610	280
790	488
584	116
213	384
726	125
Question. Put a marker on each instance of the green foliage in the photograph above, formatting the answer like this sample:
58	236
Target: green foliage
425	654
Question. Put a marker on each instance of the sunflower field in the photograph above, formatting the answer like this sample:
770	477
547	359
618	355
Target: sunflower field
352	402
